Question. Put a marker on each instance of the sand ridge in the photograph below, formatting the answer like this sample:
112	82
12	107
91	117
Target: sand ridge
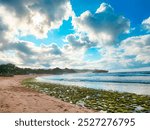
17	99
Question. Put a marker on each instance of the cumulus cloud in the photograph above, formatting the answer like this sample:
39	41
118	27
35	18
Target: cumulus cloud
16	6
24	17
92	30
51	49
3	29
79	40
37	17
104	26
138	47
34	17
28	54
146	24
133	52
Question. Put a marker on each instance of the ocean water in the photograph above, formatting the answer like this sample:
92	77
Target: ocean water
132	82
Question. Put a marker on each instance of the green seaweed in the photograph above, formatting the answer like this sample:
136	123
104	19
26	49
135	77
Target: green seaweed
98	100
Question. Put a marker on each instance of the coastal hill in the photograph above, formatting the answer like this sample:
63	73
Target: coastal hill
11	69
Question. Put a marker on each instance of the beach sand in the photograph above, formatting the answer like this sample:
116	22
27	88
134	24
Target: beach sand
14	98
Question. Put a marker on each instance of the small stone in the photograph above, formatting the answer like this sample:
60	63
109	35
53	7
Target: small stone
101	111
138	108
80	103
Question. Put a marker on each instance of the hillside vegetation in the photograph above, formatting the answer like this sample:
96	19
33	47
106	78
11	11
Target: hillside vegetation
10	70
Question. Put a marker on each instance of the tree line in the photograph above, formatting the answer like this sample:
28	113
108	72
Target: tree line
11	69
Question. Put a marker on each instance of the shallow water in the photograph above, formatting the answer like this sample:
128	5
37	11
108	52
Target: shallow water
132	82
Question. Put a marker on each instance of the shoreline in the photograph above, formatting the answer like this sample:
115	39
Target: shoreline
97	100
14	98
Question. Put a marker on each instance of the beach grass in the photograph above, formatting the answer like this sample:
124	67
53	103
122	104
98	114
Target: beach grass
98	100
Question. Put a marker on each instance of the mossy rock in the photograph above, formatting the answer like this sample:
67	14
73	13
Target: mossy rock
95	99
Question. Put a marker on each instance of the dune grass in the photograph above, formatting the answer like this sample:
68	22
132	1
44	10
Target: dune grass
98	100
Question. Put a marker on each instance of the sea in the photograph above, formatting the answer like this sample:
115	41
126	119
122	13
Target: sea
132	82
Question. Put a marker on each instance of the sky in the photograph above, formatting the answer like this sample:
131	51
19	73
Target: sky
82	34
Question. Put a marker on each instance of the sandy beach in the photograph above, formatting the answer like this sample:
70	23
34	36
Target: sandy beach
17	99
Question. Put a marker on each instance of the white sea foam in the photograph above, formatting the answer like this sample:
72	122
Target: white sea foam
138	83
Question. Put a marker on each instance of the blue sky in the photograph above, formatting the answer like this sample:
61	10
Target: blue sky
135	10
97	34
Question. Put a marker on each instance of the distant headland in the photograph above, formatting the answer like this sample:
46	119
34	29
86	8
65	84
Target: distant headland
11	69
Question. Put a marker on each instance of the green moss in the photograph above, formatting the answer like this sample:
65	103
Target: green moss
95	99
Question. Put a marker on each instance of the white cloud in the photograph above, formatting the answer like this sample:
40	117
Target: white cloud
27	54
138	46
104	26
104	7
133	52
24	53
24	17
146	24
3	29
34	17
79	40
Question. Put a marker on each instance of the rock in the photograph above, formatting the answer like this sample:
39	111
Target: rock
80	103
138	108
101	111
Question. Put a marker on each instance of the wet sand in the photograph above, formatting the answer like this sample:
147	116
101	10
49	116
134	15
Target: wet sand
14	98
